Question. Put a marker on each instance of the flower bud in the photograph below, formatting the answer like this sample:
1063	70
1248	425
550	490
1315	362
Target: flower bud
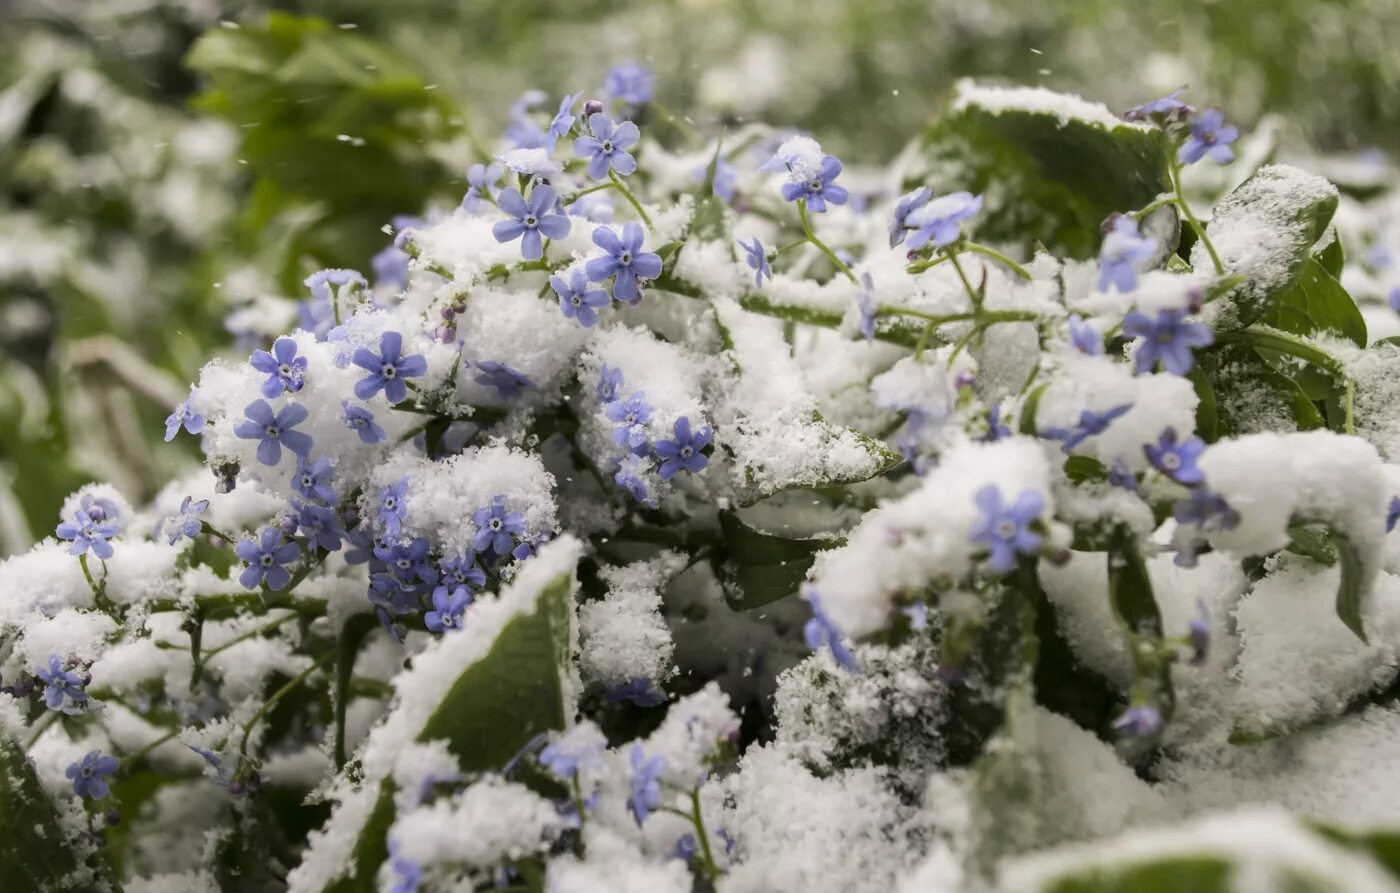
592	107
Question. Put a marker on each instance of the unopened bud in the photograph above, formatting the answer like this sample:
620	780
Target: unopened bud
592	107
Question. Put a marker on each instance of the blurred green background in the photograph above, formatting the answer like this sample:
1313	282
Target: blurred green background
171	170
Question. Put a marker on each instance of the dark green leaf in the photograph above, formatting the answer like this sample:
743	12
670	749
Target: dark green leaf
1317	303
1207	417
757	568
1170	874
1382	844
1084	468
1249	396
34	852
1135	606
1332	257
1351	589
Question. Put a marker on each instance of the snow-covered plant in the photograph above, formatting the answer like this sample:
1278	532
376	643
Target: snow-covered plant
702	515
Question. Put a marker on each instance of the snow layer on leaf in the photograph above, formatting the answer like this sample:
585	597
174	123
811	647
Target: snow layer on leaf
623	635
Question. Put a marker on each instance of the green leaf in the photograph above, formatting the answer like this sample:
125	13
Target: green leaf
757	568
1249	396
1176	874
1047	176
1084	468
1135	605
34	852
1351	588
1382	844
1207	416
1315	303
1332	256
1313	543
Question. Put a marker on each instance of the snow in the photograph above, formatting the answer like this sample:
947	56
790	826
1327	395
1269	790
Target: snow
623	635
1065	107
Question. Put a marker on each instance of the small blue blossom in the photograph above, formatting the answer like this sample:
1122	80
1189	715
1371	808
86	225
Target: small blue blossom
1394	301
91	773
630	417
186	522
1169	339
641	692
1085	338
1005	529
408	875
997	428
1205	510
820	189
908	204
939	222
865	307
631	477
265	557
86	533
462	570
1392	514
623	258
630	82
1177	460
530	220
318	314
1198	631
1120	476
563	120
1210	135
387	369
1139	722
683	451
917	614
1124	250
481	181
565	762
523	132
609	380
1091	424
392	598
685	848
819	632
313	480
183	417
63	689
361	421
495	527
320	525
576	300
391	506
285	370
508	381
606	146
391	265
757	258
408	561
726	181
274	431
363	543
645	783
1165	107
448	607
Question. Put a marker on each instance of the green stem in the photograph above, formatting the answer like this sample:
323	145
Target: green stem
919	266
131	759
1285	343
789	246
1175	167
243	637
627	194
711	869
1141	213
277	696
99	590
575	196
346	651
972	295
36	731
211	530
821	246
1350	407
999	258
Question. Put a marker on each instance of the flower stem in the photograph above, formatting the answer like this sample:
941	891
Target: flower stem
1174	167
711	869
967	284
575	196
821	246
1141	213
919	266
627	194
998	257
131	758
36	731
277	696
99	589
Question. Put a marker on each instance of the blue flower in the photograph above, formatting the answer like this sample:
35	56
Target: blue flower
1139	722
1165	107
529	220
320	525
87	533
576	301
630	477
265	557
1085	338
63	689
481	180
1209	136
1206	510
312	480
630	82
564	762
318	314
408	561
624	258
274	431
508	381
1394	300
819	190
1177	460
495	527
609	380
391	506
1169	338
391	265
563	120
523	132
640	691
686	847
645	783
407	873
606	146
1198	631
683	451
629	416
757	259
1091	424
939	221
183	417
448	607
865	307
908	204
387	369
186	522
392	598
1005	529
996	425
361	421
819	632
91	774
285	370
726	181
1392	514
1120	476
1124	250
462	570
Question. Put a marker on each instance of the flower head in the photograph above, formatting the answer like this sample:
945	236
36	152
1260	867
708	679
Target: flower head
448	607
757	258
578	748
481	180
1005	529
409	562
285	370
609	380
91	773
462	570
312	480
630	82
328	287
1210	135
939	221
563	119
183	417
1168	338
645	783
1085	338
630	417
606	145
266	556
1392	514
1177	460
819	632
820	189
361	421
388	369
865	306
1198	631
320	525
495	527
186	522
391	506
87	533
530	220
1124	250
63	689
508	381
631	477
577	300
640	692
624	258
1091	424
908	203
1166	107
1139	722
274	431
683	450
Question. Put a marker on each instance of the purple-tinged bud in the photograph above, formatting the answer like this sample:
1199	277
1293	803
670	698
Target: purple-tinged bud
445	334
288	525
449	313
1195	299
964	380
592	107
113	816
